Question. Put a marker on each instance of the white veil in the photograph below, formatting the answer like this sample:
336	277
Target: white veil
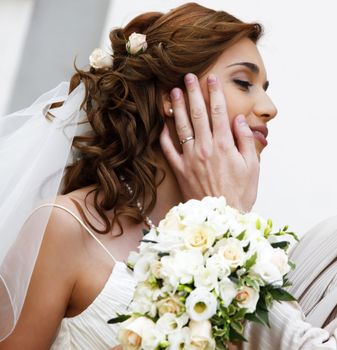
34	150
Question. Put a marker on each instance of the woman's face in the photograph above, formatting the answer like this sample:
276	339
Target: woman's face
242	74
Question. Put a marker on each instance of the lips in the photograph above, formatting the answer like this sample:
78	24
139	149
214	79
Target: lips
260	133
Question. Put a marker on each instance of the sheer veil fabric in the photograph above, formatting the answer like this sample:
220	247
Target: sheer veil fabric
34	151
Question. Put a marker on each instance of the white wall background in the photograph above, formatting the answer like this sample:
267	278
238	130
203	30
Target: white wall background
298	171
14	21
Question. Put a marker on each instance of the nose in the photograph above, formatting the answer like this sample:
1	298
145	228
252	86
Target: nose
264	107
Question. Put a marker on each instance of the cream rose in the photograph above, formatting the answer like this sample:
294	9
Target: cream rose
132	332
100	59
201	335
247	298
232	252
136	43
199	237
170	305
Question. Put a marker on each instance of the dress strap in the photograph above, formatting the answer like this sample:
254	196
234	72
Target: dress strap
82	224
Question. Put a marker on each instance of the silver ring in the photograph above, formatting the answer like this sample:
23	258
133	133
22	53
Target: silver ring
189	138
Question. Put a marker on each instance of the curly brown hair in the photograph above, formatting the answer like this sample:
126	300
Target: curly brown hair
124	103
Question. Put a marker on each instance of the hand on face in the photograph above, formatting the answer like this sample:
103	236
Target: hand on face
211	164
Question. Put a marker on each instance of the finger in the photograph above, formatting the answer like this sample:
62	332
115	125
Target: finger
198	111
221	127
245	139
183	125
172	155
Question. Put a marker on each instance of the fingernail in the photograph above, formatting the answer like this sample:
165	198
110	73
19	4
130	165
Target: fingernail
211	79
175	94
241	120
189	78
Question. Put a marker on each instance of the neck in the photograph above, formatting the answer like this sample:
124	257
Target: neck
168	192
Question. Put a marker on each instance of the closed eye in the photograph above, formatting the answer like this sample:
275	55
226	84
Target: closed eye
243	83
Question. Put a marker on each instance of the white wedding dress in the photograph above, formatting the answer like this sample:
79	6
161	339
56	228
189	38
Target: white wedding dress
89	330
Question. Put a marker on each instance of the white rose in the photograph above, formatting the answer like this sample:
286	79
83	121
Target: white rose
206	277
219	265
100	59
268	272
217	203
171	222
232	252
136	43
201	304
199	237
247	298
227	291
132	331
180	268
280	260
201	335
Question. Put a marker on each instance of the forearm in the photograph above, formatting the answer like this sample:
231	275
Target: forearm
288	331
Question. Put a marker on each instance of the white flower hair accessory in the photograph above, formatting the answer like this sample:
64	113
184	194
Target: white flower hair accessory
136	44
100	59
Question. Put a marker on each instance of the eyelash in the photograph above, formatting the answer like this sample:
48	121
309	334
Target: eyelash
243	83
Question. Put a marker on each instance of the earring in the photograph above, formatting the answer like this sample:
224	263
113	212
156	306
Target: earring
171	111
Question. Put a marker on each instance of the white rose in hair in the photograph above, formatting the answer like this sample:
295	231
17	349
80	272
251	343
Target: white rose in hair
100	59
247	298
201	304
136	43
201	336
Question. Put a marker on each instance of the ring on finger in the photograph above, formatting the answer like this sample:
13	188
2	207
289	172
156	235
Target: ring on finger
188	138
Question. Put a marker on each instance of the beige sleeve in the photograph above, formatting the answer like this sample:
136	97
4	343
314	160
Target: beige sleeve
288	331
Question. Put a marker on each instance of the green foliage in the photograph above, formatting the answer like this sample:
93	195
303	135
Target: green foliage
119	318
241	236
251	261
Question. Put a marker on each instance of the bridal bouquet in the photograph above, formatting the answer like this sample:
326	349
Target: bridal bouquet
204	271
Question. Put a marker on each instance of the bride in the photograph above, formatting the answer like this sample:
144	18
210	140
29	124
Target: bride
136	153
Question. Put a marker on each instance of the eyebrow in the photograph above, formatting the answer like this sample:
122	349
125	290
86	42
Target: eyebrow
253	68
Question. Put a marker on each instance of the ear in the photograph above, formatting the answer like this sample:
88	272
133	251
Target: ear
167	105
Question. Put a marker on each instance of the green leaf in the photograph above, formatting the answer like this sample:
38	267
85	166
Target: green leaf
119	318
161	254
246	248
282	245
145	232
251	261
148	241
281	295
294	235
241	236
235	336
292	265
262	314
